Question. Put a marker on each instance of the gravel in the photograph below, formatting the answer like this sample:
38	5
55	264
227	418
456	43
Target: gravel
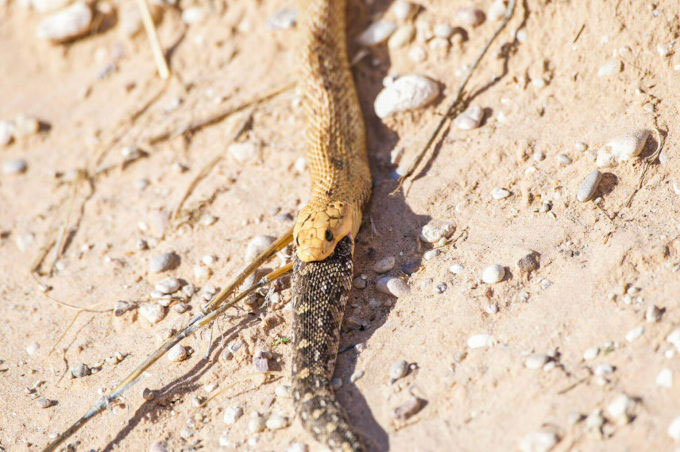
406	93
665	378
609	68
360	282
499	193
232	414
277	422
493	274
403	10
588	186
393	286
44	403
163	262
14	166
469	16
541	441
244	152
152	312
283	19
376	33
480	341
398	369
635	333
258	245
536	361
470	118
81	370
621	409
674	429
528	263
591	353
653	314
67	24
435	231
256	424
384	265
178	353
167	285
456	269
406	409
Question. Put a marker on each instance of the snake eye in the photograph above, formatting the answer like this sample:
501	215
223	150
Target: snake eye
329	235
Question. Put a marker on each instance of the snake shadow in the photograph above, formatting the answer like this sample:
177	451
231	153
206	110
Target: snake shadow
390	228
179	387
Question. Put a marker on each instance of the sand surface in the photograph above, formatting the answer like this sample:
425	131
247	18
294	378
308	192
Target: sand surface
603	263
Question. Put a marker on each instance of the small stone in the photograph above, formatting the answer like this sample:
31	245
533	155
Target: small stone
282	391
44	403
384	265
25	125
393	286
181	308
491	308
67	24
167	286
665	378
580	146
588	187
277	422
14	166
32	348
283	19
528	263
635	333
444	30
653	314
541	441
244	152
258	245
456	269
604	159
403	10
148	394
603	369
152	312
356	375
493	274
360	282
81	370
674	429
256	424
417	54
406	93
402	36
539	156
591	353
192	15
627	146
202	273
164	261
435	231
178	353
480	341
300	165
232	414
398	369
407	409
595	421
609	68
663	50
499	193
260	362
536	361
208	220
376	33
297	447
6	132
431	254
470	118
674	338
497	10
564	159
440	288
224	441
621	409
469	16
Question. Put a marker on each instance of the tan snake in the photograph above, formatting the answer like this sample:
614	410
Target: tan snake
326	227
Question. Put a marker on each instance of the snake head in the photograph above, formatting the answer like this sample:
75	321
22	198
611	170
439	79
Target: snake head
320	227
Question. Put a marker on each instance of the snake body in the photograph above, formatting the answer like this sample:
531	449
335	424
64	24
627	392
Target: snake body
326	227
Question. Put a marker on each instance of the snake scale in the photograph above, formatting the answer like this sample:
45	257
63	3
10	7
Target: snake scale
326	227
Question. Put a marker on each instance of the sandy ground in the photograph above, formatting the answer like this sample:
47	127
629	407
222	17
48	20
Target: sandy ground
601	265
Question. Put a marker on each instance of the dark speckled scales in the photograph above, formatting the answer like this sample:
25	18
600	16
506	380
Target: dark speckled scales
320	292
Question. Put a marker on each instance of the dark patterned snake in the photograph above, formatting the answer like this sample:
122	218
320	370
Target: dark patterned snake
326	227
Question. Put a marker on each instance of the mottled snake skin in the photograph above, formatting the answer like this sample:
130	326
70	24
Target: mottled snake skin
320	293
326	227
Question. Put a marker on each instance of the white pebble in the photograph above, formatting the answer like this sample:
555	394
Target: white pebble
542	441
674	338
209	260
444	30
403	10
47	6
627	146
398	369
257	245
434	231
456	269
300	165
67	24
431	254
603	369
167	286
564	159
393	286
244	152
177	353
580	146
635	333
162	262
202	273
470	118
609	68
6	132
357	375
277	422
588	187
469	16
591	353
192	15
32	348
536	361
282	391
480	341
232	414
621	409
497	10
499	193
376	33
493	274
283	19
674	429
604	159
256	424
384	265
663	50
665	378
152	312
417	54
406	93
297	447
14	166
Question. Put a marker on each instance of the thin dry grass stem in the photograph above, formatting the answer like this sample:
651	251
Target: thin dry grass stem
159	58
262	375
197	322
457	104
645	167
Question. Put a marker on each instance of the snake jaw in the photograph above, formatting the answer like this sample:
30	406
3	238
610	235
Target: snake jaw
319	228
